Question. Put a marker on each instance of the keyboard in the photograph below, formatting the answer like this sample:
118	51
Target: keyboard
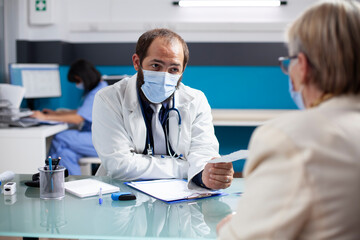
25	122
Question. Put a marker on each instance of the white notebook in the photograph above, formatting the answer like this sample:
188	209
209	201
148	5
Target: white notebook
89	187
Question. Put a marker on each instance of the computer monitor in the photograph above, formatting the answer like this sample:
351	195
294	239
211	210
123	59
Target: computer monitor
39	80
111	79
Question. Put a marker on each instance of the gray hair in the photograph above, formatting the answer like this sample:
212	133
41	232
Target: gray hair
328	34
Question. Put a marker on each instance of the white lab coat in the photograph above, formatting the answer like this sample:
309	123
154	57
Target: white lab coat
119	134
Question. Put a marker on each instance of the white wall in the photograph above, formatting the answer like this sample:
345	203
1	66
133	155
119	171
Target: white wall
125	20
2	43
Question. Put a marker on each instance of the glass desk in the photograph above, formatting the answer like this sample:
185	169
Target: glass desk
25	214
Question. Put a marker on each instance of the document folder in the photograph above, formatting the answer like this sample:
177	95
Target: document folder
172	190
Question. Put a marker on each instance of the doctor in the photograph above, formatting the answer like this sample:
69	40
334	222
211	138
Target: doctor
153	126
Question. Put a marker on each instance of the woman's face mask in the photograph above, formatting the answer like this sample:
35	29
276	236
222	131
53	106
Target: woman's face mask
296	96
158	86
80	85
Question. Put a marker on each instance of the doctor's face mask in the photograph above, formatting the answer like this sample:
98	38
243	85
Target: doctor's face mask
159	86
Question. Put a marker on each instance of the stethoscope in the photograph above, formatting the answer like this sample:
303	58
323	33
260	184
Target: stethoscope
166	120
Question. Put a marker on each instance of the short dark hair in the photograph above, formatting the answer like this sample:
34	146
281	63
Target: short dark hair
148	37
87	72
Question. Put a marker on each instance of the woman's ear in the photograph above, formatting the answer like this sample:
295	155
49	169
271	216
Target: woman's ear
304	68
78	79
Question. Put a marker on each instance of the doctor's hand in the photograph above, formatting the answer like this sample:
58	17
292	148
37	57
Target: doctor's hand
218	175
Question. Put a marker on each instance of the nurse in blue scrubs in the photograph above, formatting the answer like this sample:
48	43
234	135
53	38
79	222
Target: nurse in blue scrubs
73	144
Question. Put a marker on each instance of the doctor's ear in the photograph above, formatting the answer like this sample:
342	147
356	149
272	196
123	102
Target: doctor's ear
136	61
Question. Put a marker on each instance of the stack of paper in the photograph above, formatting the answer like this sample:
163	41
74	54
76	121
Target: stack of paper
12	94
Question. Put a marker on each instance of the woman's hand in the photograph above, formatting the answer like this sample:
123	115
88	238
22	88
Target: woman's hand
48	111
39	115
223	222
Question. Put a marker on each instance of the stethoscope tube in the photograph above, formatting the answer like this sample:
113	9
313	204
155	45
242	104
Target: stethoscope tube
175	155
173	109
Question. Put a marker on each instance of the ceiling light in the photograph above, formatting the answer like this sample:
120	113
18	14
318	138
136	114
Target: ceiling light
230	3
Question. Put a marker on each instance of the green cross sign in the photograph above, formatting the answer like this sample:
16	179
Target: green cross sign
40	5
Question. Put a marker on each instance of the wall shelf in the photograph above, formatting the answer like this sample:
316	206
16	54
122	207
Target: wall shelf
245	117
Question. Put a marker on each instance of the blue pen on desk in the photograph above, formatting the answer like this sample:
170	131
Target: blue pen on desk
50	168
100	197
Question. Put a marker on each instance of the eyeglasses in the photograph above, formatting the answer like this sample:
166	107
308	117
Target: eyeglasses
285	63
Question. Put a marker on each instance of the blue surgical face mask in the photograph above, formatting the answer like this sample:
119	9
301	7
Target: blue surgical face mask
158	86
80	86
296	96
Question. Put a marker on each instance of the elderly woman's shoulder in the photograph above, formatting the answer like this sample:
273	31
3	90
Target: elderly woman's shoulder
304	121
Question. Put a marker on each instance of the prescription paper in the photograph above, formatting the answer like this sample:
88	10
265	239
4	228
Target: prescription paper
241	154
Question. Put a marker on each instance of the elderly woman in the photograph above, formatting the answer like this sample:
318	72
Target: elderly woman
302	179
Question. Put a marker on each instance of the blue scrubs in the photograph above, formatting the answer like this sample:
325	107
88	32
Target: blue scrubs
71	145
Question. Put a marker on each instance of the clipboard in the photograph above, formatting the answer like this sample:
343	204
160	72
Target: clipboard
172	190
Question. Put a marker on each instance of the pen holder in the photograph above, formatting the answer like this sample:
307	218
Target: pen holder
52	183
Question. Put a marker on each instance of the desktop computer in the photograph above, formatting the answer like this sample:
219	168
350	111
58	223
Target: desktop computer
39	80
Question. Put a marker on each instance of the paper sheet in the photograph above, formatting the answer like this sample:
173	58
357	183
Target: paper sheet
241	154
171	189
11	93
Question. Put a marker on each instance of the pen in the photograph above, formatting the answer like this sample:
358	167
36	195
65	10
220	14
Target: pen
50	168
100	197
57	162
50	163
